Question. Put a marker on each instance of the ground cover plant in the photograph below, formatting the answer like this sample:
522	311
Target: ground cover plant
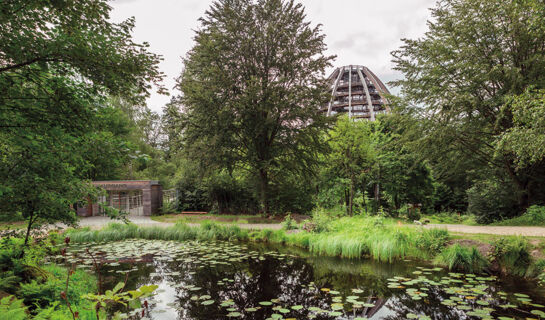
534	216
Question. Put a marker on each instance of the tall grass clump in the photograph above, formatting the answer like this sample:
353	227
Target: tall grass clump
460	258
432	241
513	255
177	232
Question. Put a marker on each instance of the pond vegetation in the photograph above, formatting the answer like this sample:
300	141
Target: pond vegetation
218	279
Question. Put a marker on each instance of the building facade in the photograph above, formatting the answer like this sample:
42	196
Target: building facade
357	91
137	197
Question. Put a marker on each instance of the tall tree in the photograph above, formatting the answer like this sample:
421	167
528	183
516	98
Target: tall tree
251	87
353	155
58	62
457	77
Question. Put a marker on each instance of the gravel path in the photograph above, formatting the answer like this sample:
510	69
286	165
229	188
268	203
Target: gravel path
506	231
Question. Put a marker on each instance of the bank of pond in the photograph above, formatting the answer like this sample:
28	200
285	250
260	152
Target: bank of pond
223	272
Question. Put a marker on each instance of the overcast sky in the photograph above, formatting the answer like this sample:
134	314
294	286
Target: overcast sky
361	32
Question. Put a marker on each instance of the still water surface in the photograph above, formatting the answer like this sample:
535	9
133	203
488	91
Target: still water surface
222	280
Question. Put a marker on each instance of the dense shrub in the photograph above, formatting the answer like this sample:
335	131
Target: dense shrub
513	254
534	216
432	240
492	200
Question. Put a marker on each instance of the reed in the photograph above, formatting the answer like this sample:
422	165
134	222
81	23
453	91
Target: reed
461	258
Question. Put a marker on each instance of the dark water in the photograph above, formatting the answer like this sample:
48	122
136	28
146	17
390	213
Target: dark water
220	280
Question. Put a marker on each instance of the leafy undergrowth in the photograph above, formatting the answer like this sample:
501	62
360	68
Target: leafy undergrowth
534	216
450	218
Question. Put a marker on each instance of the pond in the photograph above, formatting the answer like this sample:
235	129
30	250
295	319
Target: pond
223	280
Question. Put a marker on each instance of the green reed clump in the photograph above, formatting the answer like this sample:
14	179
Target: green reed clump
513	254
432	241
179	232
459	258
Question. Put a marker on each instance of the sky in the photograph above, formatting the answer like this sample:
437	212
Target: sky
358	32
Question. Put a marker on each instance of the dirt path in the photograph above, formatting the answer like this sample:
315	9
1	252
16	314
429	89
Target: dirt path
505	231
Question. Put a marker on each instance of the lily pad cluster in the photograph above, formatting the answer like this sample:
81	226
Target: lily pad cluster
470	294
206	277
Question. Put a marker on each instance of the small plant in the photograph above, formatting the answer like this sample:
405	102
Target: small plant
289	223
117	295
12	308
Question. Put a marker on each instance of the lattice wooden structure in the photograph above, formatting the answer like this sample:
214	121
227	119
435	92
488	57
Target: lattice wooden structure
356	90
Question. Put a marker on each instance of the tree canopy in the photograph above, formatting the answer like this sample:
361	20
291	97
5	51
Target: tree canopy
251	87
458	80
59	63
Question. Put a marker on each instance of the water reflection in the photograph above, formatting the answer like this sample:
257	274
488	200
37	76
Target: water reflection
235	279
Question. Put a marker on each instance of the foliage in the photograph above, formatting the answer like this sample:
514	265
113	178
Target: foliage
250	97
58	61
117	295
44	292
450	218
490	200
513	254
432	240
534	216
368	168
457	257
353	154
526	138
12	308
462	90
289	223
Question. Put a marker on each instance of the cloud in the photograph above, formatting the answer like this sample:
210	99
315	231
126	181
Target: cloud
357	31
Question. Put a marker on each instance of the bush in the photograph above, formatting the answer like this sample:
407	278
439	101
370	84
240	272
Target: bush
432	240
534	216
513	255
492	200
461	258
289	223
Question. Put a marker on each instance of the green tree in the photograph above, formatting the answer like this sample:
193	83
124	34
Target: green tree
353	155
457	78
526	138
58	62
251	87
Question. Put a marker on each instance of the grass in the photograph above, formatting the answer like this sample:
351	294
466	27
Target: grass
450	218
349	237
534	216
460	258
17	225
179	232
223	218
379	238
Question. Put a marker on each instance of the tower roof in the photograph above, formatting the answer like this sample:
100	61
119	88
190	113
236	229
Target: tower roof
356	90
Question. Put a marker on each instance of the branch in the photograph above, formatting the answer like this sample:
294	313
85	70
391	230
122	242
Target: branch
22	64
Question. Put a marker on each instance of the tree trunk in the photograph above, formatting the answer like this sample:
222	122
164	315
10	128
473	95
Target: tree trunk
264	192
351	198
28	228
